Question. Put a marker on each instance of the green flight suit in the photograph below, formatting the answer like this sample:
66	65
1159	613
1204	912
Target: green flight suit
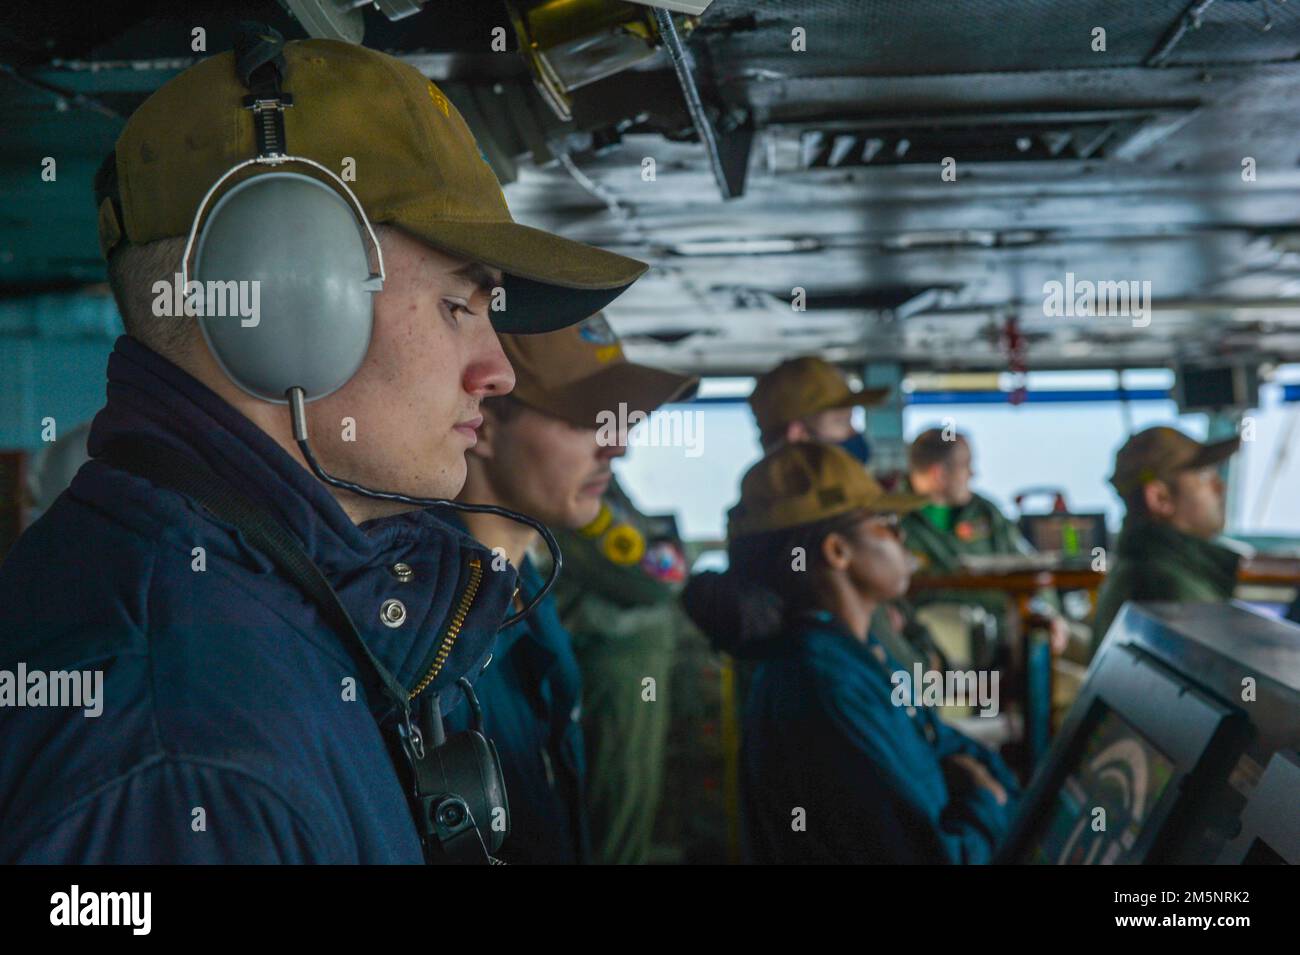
617	597
1154	561
978	527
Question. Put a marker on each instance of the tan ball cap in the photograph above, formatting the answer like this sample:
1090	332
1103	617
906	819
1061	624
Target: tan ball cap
581	371
807	482
416	164
799	387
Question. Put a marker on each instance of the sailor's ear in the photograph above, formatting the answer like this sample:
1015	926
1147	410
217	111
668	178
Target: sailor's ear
836	551
1159	498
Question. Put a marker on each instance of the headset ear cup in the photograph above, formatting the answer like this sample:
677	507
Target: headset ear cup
299	312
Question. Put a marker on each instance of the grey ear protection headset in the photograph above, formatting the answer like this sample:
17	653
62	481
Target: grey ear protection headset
309	246
306	250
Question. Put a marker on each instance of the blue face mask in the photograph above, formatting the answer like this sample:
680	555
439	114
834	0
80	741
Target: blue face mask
857	446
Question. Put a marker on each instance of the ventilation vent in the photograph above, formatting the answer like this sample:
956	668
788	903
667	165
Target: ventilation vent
1030	137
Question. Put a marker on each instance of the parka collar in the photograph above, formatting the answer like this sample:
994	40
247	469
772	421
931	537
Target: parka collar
151	397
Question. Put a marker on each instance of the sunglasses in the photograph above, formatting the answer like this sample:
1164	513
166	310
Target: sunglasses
883	524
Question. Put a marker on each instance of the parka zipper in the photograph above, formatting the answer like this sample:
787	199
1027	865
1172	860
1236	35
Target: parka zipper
453	629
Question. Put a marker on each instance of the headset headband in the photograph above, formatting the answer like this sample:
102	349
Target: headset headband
259	61
374	283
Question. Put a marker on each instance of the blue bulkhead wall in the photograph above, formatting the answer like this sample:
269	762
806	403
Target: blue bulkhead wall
54	350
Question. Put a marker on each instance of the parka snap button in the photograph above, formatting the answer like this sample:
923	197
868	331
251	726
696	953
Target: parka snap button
392	613
403	572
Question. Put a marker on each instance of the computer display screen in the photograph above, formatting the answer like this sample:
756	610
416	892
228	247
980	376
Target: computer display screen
1072	535
1118	771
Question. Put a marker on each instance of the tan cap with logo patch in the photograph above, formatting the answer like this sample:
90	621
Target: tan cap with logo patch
581	371
415	162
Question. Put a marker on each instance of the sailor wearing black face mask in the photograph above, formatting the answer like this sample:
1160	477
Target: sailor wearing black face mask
809	399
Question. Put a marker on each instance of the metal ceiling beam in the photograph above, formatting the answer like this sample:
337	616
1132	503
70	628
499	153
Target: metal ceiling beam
684	65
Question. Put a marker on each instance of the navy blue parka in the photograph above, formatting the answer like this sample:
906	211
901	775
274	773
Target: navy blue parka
834	772
237	725
531	697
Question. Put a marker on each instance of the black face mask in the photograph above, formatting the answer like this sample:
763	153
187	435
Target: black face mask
857	446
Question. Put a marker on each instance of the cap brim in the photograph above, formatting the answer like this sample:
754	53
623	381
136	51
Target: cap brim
774	519
866	398
638	387
1215	452
550	282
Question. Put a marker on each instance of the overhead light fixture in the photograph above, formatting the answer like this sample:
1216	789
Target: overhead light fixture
571	43
952	381
778	246
939	238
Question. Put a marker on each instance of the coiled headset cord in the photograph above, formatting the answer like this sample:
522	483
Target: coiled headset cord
297	406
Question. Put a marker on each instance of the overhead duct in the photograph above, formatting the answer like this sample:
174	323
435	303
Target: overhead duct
1121	134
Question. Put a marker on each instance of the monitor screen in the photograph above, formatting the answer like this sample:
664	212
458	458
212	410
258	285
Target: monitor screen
1117	770
1209	388
1072	535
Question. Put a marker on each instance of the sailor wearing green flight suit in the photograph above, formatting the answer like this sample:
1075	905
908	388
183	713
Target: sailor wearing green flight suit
1174	508
617	598
541	450
956	522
